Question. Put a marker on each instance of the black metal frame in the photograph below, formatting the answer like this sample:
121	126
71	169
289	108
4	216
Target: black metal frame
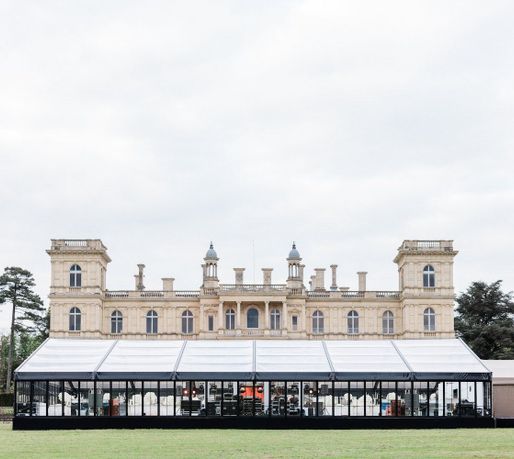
287	418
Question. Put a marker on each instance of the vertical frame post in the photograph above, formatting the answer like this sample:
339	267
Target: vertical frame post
333	398
364	398
158	398
380	398
79	401
396	398
475	398
62	398
460	399
444	398
222	404
94	399
349	400
47	396
31	396
412	398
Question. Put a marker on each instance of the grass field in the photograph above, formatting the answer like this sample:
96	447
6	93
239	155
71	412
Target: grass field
463	443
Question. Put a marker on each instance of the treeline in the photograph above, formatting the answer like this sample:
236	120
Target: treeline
30	321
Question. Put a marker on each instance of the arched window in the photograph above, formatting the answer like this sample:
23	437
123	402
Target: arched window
429	319
187	322
428	276
318	322
75	316
353	322
387	323
75	276
230	319
252	318
151	322
116	322
275	319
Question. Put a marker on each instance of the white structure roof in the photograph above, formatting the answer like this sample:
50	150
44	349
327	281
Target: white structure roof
503	370
253	359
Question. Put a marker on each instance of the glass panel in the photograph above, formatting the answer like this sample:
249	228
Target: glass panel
403	400
166	398
388	401
293	399
86	398
39	398
213	398
341	398
135	399
23	398
278	398
251	398
420	407
324	398
54	398
103	398
230	403
372	399
71	398
309	398
118	405
150	406
356	398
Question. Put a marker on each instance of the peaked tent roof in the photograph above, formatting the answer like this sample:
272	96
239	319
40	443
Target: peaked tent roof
448	359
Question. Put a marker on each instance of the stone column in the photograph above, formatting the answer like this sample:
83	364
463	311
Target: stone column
362	280
201	318
220	316
334	277
238	315
266	315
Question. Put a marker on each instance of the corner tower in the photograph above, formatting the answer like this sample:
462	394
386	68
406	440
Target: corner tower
78	277
425	272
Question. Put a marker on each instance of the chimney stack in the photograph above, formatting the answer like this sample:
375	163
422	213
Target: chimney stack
319	279
239	275
139	278
167	283
362	281
334	277
266	276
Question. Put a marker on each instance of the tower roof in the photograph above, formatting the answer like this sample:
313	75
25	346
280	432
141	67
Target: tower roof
211	253
294	254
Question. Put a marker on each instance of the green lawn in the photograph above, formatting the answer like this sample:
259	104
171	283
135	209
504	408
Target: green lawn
463	443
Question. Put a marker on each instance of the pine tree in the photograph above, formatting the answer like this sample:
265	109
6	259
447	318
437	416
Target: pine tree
27	309
485	320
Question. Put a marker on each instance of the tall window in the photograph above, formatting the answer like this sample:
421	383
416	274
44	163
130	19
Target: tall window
353	322
187	322
230	319
75	319
429	319
210	323
116	322
151	322
294	323
387	323
75	276
275	319
252	318
428	276
318	322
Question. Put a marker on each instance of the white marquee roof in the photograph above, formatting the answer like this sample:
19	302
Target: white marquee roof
253	359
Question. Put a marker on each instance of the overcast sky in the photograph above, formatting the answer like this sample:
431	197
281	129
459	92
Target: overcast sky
345	126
